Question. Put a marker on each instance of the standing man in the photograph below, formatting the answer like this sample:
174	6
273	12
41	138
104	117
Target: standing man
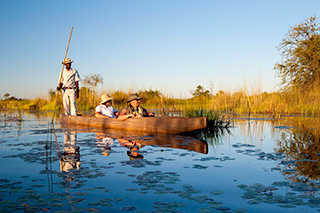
68	81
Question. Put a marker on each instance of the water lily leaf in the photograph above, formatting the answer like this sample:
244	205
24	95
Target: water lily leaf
240	210
128	208
222	208
286	206
56	205
242	186
26	205
93	210
254	202
131	190
217	192
81	193
204	210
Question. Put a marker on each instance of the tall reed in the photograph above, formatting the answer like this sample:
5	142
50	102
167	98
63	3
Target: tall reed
296	101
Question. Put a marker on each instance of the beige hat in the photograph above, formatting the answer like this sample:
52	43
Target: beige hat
105	98
134	96
67	61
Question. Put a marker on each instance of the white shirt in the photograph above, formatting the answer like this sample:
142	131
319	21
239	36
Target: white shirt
69	77
105	142
106	110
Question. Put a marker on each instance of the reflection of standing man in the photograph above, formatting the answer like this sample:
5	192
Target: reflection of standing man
68	81
70	157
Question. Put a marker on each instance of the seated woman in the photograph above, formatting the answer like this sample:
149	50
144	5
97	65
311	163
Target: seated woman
105	109
133	109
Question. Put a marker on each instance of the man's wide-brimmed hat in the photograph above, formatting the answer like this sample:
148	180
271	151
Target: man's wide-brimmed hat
134	96
105	98
67	61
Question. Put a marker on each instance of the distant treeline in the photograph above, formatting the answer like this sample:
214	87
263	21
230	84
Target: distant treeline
276	103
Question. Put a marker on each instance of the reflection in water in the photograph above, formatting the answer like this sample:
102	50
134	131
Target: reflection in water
134	148
297	141
104	143
186	142
70	157
242	177
12	127
301	146
212	134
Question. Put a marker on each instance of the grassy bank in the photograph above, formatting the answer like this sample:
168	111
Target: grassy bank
275	103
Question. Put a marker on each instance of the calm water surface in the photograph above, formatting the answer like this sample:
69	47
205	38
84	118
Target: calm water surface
261	165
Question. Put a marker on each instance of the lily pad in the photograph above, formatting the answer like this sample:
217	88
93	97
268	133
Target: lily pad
217	192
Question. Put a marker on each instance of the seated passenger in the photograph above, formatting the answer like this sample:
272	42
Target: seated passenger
133	109
105	109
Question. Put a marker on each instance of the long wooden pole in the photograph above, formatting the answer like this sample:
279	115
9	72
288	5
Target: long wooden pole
65	55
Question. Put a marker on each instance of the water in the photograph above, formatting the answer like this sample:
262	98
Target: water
261	165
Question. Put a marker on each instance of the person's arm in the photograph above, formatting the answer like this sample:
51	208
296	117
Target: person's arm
147	114
77	89
60	81
123	115
99	115
116	113
59	86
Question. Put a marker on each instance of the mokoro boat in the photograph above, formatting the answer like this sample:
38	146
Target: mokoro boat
155	125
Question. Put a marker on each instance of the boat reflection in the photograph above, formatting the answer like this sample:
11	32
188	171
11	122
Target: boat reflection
137	139
69	158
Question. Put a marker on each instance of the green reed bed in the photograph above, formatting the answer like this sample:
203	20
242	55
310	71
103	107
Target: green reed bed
12	112
215	119
276	103
218	124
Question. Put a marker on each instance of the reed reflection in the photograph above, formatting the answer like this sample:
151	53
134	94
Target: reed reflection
301	146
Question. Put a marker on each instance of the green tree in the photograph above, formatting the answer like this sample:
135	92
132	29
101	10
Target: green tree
6	96
91	81
201	92
52	94
300	53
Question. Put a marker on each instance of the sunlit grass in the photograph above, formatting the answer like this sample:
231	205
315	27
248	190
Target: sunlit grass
239	101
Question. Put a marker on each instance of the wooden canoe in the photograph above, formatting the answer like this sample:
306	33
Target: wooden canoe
155	125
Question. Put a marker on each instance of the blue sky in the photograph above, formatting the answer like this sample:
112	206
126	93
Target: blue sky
172	45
